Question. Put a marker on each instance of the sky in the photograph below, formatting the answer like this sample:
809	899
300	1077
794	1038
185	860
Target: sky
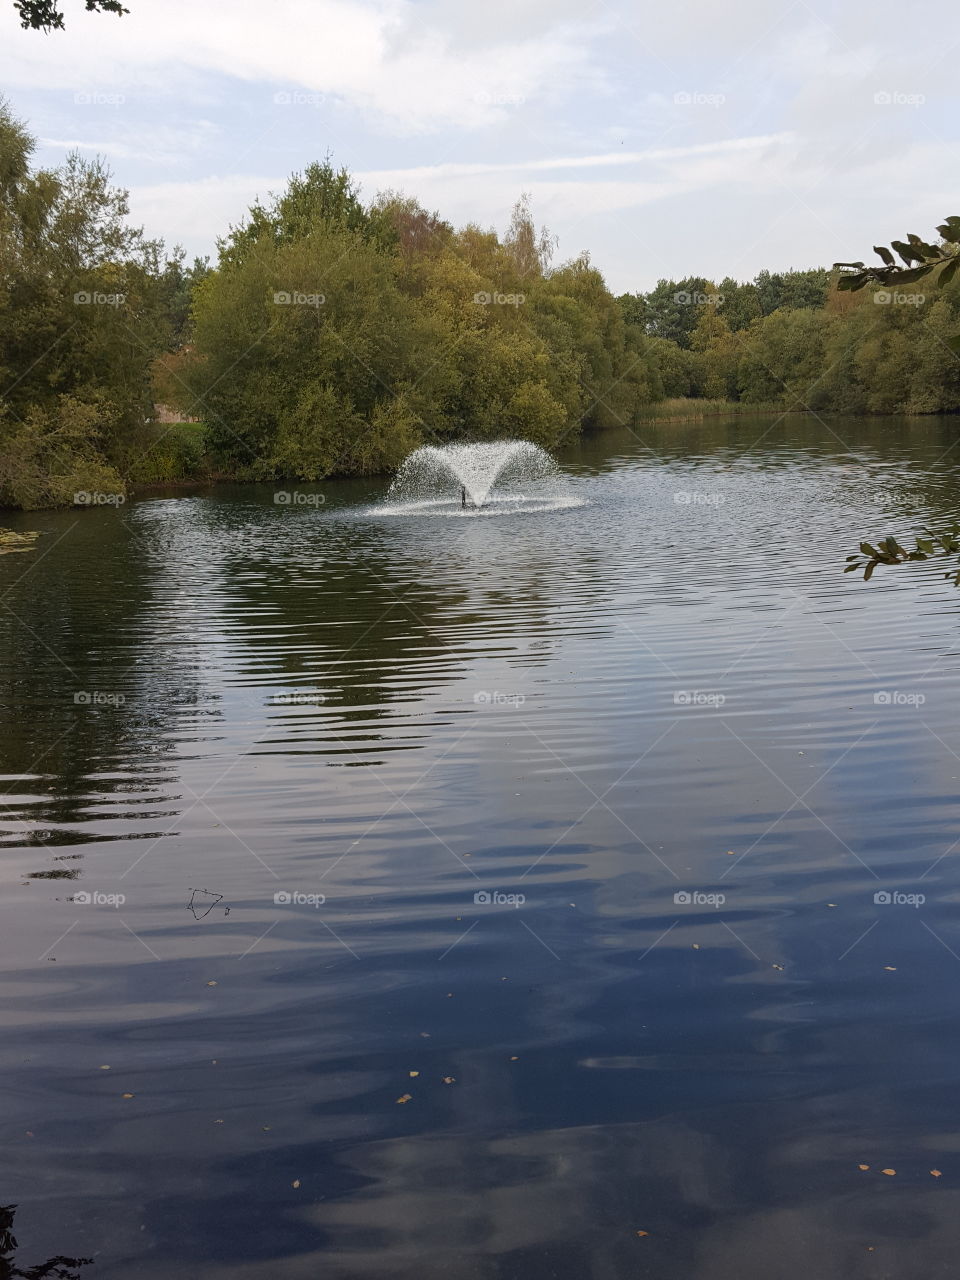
683	138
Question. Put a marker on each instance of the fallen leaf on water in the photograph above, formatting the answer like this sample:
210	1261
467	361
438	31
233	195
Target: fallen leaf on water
211	984
414	1074
425	1035
515	1058
696	946
105	1067
643	1233
779	966
265	1128
731	854
890	968
295	1183
864	1167
891	1173
405	1097
128	1095
935	1173
449	1079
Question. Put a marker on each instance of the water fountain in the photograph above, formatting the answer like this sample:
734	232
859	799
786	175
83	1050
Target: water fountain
478	479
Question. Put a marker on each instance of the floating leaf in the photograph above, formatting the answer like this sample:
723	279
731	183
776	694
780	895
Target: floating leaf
864	1167
414	1074
295	1183
643	1233
935	1173
449	1079
891	1173
405	1097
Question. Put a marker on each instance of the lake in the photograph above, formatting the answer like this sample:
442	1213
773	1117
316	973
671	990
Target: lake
567	894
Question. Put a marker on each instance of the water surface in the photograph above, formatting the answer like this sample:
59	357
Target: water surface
598	801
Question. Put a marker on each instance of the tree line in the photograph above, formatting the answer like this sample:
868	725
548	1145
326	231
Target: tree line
331	336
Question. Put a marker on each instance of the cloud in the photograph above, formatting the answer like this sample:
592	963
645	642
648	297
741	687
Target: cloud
381	59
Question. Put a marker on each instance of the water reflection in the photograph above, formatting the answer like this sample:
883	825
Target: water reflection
273	1003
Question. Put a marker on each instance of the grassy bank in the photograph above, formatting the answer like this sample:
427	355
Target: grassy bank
687	409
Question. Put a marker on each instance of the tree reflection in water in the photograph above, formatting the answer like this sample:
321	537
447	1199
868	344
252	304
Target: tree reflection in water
61	1267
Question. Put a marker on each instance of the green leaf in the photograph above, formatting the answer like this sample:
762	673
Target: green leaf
868	572
867	550
950	270
885	254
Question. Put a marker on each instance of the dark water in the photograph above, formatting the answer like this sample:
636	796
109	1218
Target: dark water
596	708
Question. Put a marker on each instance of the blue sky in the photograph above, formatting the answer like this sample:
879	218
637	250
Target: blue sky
682	138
